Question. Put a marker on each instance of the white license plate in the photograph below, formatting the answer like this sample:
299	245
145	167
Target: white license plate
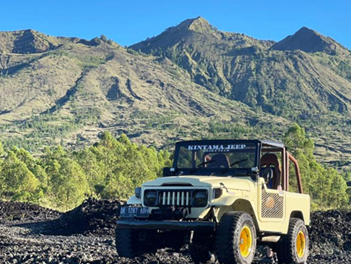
133	211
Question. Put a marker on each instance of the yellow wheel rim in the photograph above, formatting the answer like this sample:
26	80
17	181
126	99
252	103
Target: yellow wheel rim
245	242
300	244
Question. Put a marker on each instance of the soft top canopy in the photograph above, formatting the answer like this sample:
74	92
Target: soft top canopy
272	143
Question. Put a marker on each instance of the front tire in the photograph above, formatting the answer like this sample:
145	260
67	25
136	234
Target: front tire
132	243
236	238
293	248
200	247
126	243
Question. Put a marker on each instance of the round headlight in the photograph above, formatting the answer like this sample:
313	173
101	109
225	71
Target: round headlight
200	198
150	198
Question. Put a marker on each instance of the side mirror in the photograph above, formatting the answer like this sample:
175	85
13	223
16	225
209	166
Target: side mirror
255	170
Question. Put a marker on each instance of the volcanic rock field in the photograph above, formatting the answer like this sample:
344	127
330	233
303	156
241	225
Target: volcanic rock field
33	234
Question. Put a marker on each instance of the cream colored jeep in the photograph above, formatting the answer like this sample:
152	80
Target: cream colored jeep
227	196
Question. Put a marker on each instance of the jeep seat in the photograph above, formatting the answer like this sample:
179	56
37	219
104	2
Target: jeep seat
271	161
267	173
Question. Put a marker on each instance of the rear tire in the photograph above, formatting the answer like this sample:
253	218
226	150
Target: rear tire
293	248
236	238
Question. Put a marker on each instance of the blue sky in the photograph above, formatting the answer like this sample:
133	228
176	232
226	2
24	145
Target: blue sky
130	21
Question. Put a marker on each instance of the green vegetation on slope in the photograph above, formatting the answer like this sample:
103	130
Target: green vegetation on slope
112	168
62	180
325	185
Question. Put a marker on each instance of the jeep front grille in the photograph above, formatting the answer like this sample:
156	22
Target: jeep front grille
175	198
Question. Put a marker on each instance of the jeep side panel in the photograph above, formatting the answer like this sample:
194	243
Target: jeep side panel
275	208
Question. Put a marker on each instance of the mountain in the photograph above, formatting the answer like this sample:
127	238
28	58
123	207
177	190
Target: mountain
77	88
310	41
285	78
26	41
191	81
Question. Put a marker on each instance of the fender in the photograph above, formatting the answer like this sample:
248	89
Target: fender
225	201
134	200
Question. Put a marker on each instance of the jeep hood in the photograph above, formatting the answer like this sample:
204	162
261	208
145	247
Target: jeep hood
242	183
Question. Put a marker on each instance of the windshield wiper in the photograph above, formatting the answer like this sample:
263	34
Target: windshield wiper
234	163
201	164
238	161
205	162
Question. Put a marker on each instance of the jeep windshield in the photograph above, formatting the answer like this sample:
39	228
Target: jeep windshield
217	157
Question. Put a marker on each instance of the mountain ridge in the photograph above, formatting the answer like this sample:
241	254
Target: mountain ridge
26	41
211	62
308	40
191	81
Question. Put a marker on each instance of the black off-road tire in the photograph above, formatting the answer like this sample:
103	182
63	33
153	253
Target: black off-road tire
200	248
235	239
174	239
126	243
288	251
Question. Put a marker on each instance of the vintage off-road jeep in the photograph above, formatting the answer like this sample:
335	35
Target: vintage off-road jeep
227	196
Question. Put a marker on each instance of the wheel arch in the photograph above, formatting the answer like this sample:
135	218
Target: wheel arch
297	214
241	205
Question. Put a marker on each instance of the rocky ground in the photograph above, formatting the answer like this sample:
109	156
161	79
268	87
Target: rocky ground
32	234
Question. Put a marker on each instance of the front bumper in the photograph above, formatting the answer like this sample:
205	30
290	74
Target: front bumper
204	226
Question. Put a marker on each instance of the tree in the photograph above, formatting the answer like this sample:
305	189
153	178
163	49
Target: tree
93	169
18	182
67	183
103	38
326	186
296	139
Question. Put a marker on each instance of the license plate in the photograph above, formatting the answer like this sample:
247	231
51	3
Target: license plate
131	211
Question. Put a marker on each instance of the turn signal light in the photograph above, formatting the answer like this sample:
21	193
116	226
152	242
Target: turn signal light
137	192
217	192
